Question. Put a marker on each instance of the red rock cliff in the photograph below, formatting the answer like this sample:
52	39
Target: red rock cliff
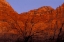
44	24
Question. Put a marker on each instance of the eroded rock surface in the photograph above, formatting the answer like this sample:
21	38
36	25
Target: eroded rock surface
44	24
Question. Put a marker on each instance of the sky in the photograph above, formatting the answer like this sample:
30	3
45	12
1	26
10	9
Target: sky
21	6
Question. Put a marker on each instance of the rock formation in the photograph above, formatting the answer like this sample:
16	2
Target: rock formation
44	24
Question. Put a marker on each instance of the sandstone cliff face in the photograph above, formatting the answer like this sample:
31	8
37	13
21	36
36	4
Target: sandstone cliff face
44	24
7	21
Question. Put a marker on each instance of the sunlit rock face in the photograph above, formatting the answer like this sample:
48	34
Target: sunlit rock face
44	24
8	27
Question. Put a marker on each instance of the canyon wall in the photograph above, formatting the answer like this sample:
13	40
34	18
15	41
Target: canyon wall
44	24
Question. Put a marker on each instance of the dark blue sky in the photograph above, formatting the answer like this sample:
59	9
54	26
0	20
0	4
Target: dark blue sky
26	5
